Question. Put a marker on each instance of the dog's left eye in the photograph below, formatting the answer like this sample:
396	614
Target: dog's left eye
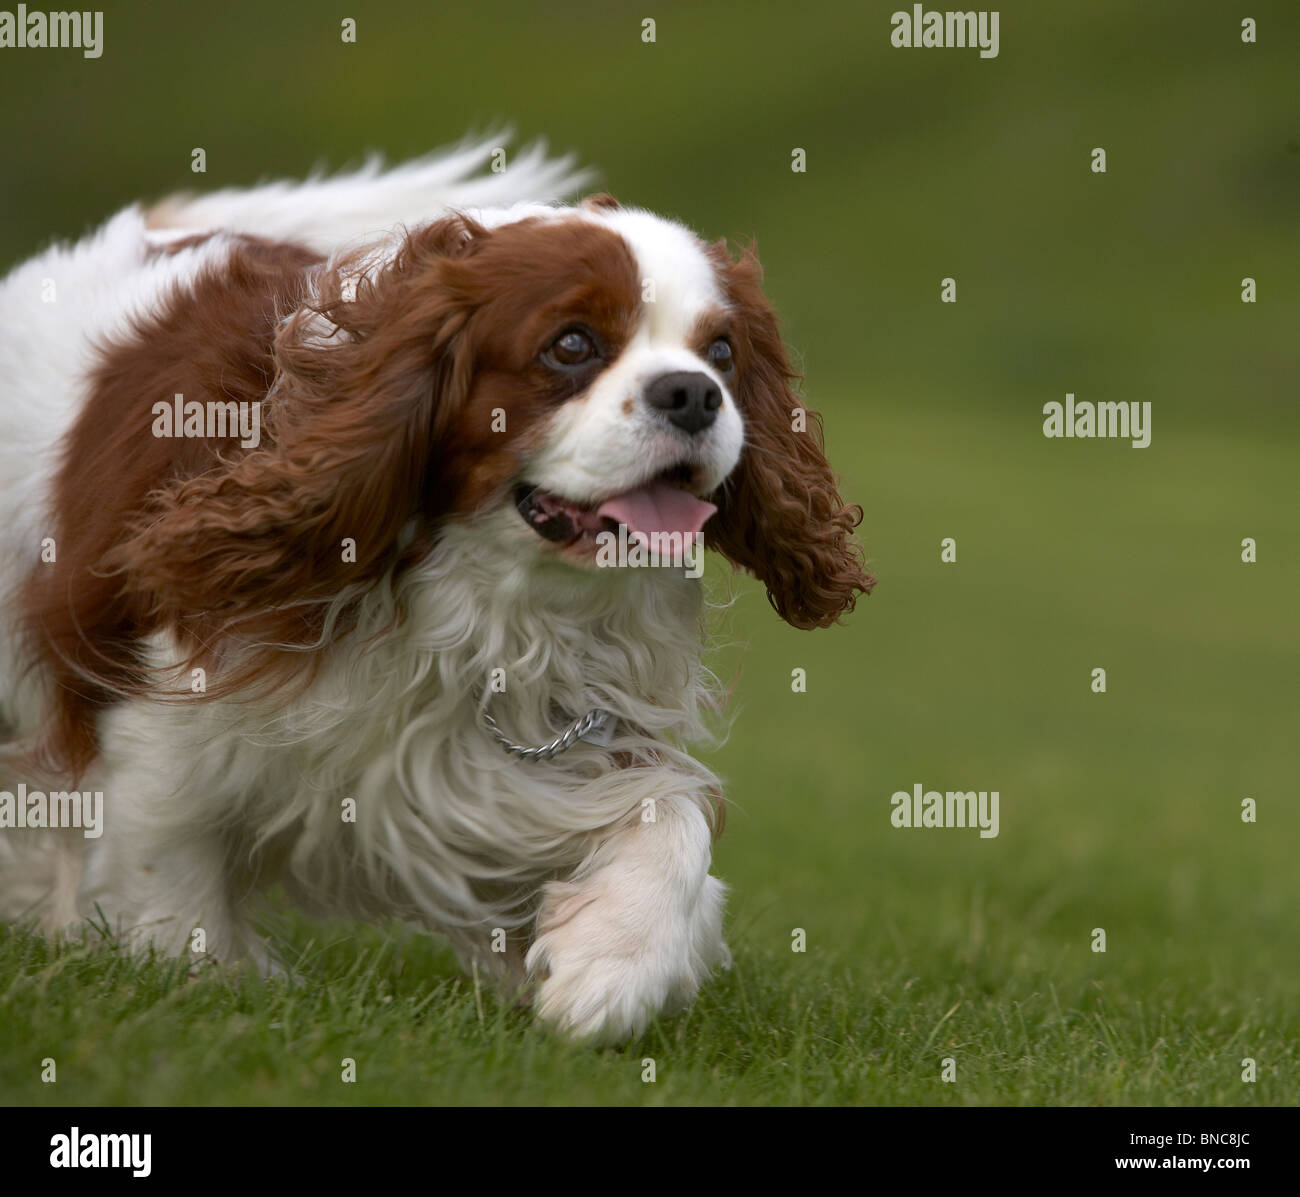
720	356
573	347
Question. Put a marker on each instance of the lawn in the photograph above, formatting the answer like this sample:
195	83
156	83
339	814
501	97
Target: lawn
1118	810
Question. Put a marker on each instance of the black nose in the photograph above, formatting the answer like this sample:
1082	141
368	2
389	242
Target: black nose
688	398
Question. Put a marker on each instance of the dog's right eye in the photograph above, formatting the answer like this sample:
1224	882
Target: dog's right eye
574	347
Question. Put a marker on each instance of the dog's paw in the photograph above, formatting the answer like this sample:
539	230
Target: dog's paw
605	964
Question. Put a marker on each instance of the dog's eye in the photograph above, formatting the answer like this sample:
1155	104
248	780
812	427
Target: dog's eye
720	357
571	348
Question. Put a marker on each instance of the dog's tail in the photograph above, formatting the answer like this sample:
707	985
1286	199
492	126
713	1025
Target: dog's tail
326	212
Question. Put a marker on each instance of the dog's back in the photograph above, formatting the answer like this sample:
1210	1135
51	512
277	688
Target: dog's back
60	306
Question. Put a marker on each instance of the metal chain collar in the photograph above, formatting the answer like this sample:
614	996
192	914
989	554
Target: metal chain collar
595	727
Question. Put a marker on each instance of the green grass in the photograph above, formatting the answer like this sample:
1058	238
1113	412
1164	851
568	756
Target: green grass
779	1029
1119	811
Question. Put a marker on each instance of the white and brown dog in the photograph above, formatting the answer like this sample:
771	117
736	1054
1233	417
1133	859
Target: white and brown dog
302	498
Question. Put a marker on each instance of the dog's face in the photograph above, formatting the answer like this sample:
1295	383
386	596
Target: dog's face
547	375
602	366
641	359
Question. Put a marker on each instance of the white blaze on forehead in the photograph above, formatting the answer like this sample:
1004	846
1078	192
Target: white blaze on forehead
671	257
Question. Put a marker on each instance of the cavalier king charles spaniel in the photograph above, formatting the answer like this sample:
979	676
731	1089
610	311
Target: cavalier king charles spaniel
307	494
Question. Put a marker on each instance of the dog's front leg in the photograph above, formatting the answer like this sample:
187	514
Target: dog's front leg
635	930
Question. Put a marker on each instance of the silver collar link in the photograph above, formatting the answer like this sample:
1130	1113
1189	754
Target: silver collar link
595	727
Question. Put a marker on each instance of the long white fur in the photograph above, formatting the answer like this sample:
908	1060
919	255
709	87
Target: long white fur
604	869
328	211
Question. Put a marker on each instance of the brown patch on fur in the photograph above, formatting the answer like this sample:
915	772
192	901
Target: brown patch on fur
602	201
212	342
780	514
174	247
376	410
629	407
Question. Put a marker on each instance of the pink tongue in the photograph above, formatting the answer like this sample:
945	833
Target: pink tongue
657	507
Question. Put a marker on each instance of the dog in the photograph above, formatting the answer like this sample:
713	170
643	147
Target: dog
307	498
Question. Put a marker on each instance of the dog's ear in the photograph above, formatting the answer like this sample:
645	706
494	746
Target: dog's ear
365	379
780	514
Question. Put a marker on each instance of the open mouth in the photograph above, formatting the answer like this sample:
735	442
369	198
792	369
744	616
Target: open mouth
664	505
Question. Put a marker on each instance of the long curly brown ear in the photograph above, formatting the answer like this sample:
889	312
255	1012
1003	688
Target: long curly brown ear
780	514
252	549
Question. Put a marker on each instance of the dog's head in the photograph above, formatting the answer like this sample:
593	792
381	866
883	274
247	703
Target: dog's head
574	368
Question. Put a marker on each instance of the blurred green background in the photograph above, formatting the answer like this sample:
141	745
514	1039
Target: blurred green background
1119	810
